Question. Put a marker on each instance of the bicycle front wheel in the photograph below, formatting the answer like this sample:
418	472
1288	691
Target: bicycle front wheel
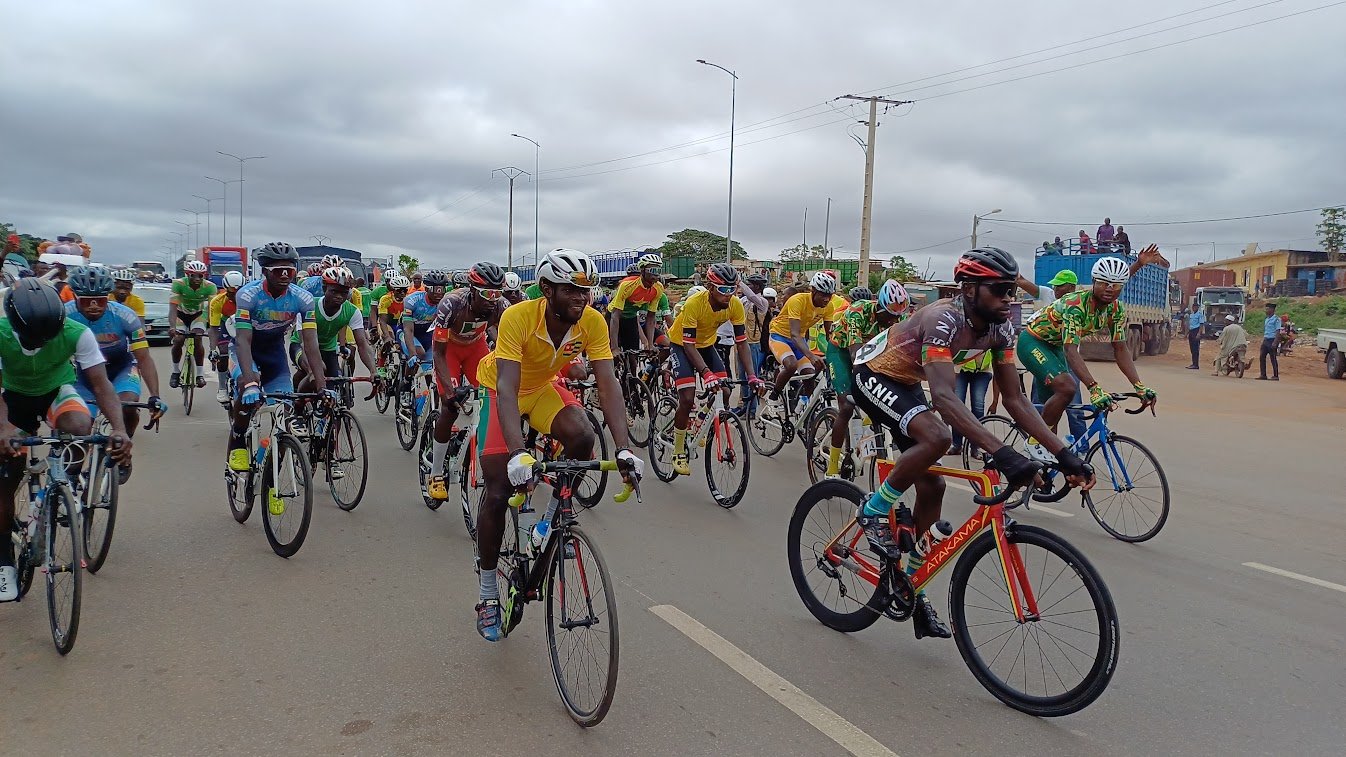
287	496
661	440
101	515
347	460
767	434
381	398
590	485
65	568
582	627
425	458
830	581
188	382
1135	508
1003	428
818	447
728	460
1052	665
639	412
404	405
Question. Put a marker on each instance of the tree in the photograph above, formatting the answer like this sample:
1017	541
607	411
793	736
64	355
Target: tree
408	264
799	252
1332	232
27	242
704	246
902	270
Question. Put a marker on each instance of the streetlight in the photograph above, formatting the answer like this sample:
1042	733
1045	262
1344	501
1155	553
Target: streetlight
537	179
733	97
224	209
240	187
189	227
197	215
208	200
976	220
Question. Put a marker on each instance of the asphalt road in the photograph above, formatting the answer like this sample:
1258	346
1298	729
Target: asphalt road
197	639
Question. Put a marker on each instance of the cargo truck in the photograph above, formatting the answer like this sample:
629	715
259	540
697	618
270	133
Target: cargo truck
221	260
1217	303
1144	300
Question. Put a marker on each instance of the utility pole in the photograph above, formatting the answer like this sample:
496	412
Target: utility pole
321	239
806	229
866	215
510	173
827	226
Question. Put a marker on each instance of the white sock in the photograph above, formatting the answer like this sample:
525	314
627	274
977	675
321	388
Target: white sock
439	451
489	588
177	367
224	379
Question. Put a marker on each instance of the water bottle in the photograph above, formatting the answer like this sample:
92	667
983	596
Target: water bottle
35	514
800	403
543	527
260	456
940	531
1070	442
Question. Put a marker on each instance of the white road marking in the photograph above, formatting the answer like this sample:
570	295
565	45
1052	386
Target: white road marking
1296	576
813	712
1032	508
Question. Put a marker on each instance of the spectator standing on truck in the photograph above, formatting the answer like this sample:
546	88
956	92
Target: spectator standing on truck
1105	234
1086	245
1270	327
1122	241
1194	323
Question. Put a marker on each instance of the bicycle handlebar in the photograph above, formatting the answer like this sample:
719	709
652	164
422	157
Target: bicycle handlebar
998	499
153	421
60	438
578	466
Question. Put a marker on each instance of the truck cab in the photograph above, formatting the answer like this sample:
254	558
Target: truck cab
1217	303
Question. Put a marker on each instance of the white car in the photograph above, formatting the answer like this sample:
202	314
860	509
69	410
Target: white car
156	298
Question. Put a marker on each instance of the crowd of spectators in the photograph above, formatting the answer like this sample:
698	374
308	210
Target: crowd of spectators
1105	239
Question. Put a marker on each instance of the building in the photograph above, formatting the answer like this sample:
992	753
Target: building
1258	271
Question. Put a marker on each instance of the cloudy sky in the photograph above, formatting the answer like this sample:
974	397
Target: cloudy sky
381	122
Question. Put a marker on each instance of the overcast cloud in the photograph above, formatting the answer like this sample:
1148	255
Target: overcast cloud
373	116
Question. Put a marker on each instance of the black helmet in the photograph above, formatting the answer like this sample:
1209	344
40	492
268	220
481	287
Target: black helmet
722	274
756	278
487	276
277	252
35	312
986	263
434	278
861	293
88	281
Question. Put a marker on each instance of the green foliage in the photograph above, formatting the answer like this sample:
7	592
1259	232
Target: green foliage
1332	230
902	270
408	264
27	242
800	252
704	246
1308	313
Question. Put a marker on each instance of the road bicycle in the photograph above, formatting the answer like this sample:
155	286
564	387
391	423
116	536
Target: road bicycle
187	376
462	446
280	469
718	431
337	442
415	395
863	444
1017	592
100	487
1131	502
390	362
51	539
636	394
769	433
568	572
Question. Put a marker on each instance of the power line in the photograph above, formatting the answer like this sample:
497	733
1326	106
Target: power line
1172	223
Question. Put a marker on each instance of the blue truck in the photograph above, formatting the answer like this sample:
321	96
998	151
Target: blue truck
1145	299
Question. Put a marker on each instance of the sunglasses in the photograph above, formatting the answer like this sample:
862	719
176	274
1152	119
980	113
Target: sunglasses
725	288
87	301
582	279
652	271
488	294
279	270
1002	288
1113	284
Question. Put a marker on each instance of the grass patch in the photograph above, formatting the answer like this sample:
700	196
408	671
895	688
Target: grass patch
1308	313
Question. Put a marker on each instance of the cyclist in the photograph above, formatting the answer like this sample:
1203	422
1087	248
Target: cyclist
332	316
390	308
220	322
859	323
536	339
636	293
860	293
465	320
694	354
185	305
513	293
265	310
418	314
124	280
789	333
887	385
37	345
1049	345
532	292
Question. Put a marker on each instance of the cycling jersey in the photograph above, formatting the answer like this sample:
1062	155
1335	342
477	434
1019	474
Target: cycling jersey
937	333
417	309
533	292
800	308
329	327
1075	316
118	332
222	307
696	324
858	323
391	307
136	304
522	338
191	299
632	296
663	309
456	304
267	316
48	368
312	285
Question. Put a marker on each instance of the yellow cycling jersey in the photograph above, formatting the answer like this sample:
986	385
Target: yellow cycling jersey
136	304
522	338
800	308
221	307
698	320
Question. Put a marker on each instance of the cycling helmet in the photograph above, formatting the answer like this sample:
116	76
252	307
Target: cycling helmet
722	274
986	263
698	289
769	293
435	278
632	269
399	282
35	312
893	297
512	282
562	266
822	282
315	268
194	266
1111	270
651	260
124	274
272	253
338	275
88	281
332	261
487	276
861	293
233	280
756	278
461	279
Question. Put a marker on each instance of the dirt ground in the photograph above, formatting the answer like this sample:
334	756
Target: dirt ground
1304	363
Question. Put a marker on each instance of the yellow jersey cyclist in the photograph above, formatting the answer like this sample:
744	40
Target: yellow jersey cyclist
220	325
634	295
536	339
859	323
1049	345
333	316
789	333
388	315
39	349
124	281
267	309
694	354
186	306
927	346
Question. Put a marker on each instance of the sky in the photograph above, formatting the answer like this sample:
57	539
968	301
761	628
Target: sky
382	123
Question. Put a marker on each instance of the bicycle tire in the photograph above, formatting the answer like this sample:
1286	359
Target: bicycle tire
406	428
817	438
868	600
1092	683
287	447
588	713
424	455
737	455
344	425
660	444
469	500
62	517
241	487
382	398
639	413
1089	497
590	485
188	379
1004	428
98	542
759	433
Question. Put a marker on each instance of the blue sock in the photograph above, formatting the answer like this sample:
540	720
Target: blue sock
881	501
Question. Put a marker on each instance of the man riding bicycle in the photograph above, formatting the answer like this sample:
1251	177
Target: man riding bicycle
536	339
219	321
124	281
418	315
634	294
789	333
186	306
928	345
332	316
465	320
513	292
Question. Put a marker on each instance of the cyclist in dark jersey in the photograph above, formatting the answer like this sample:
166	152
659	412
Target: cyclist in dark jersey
929	345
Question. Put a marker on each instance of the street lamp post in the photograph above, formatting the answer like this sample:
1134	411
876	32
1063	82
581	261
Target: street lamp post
976	220
189	227
224	209
241	161
537	179
733	98
208	201
197	215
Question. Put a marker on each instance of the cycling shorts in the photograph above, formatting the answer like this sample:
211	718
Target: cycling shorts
839	365
628	333
684	375
540	408
425	339
1044	361
331	361
186	321
125	382
460	360
269	362
782	348
889	402
27	411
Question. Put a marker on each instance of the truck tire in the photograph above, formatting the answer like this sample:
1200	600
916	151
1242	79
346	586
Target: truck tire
1166	341
1336	364
1133	341
1152	337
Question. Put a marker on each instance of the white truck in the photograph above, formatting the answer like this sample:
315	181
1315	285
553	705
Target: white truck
1332	343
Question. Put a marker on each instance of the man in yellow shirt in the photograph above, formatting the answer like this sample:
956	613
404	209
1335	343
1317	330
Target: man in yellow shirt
534	340
789	332
124	280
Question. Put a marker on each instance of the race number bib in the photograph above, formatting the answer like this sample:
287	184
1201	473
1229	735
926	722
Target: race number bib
872	349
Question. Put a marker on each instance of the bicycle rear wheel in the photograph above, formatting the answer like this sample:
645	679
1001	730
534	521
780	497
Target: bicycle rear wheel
1136	506
728	460
405	422
101	516
767	435
828	581
660	444
590	485
347	460
639	412
582	633
1055	664
65	567
287	503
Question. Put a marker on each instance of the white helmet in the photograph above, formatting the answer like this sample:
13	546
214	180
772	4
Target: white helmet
698	289
233	280
399	282
1112	270
124	274
331	261
512	281
823	282
652	260
769	293
194	266
339	275
562	266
